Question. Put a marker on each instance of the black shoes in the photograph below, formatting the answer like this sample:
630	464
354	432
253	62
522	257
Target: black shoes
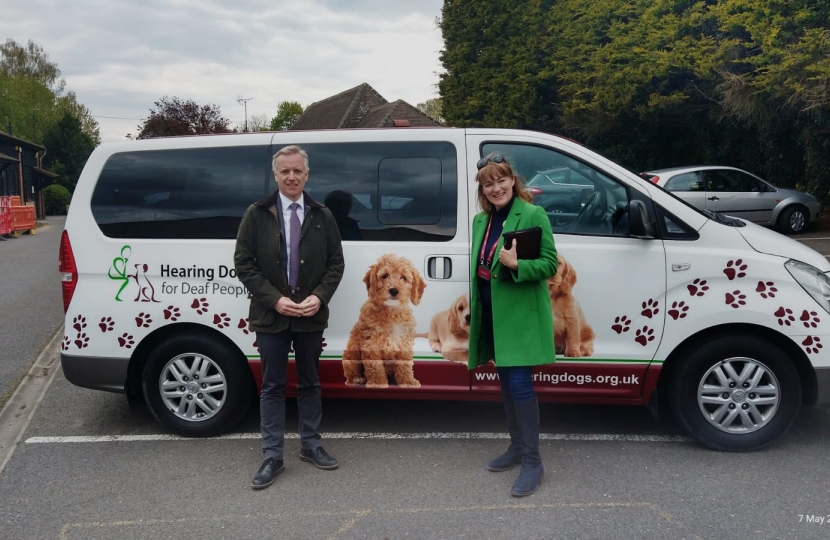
267	473
319	458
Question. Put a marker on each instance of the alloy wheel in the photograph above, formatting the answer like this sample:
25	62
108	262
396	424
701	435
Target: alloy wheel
739	395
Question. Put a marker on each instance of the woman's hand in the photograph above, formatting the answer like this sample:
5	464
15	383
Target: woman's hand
508	257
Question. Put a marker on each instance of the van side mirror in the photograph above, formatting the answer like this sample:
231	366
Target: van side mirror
639	223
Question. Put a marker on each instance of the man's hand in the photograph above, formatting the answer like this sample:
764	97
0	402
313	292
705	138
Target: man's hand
310	305
508	257
288	307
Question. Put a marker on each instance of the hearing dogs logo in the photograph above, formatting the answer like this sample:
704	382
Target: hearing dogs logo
118	272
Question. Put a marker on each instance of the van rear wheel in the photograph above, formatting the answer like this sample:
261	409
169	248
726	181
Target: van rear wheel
197	385
735	393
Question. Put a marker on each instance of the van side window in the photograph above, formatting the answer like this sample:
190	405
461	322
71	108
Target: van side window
578	198
387	191
183	193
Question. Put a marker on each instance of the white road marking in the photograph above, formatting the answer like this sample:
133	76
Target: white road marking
600	437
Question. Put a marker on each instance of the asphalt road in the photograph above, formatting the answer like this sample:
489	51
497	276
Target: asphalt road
89	467
31	309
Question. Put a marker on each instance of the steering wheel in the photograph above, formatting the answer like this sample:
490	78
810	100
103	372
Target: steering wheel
592	213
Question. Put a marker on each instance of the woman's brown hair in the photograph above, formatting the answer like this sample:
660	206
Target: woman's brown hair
491	172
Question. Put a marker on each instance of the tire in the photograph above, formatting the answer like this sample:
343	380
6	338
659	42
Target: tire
193	407
735	393
793	220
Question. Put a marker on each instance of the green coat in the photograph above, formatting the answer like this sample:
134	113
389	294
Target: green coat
522	313
262	268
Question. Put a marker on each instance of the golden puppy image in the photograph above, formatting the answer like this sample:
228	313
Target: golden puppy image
383	338
572	335
449	331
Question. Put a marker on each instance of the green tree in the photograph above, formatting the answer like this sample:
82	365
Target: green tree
492	61
287	113
651	83
32	93
67	149
57	198
30	62
175	116
432	108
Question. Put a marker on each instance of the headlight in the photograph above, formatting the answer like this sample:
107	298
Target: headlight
813	280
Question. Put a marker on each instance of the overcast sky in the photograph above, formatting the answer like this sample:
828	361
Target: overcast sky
119	56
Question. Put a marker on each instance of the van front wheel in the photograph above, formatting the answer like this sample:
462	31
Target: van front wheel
735	393
197	385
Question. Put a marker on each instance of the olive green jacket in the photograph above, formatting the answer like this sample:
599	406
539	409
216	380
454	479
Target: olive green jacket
522	313
262	267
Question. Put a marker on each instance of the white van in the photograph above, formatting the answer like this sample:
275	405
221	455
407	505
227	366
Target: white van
655	302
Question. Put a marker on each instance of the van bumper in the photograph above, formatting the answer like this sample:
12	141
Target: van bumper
823	380
108	374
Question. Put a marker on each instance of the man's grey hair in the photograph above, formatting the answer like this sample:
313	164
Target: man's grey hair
286	150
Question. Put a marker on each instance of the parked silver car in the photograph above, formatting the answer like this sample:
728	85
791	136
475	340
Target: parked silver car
735	192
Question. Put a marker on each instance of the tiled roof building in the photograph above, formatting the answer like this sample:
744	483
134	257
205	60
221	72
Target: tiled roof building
360	107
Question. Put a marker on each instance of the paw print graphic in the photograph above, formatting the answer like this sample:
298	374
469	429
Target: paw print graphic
66	343
650	308
82	342
106	324
735	269
79	323
644	335
256	345
621	324
200	305
243	325
809	318
126	341
678	310
812	344
221	320
785	316
143	320
171	313
698	287
766	289
735	299
323	345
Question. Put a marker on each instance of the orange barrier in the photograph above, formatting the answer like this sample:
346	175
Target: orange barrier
15	200
23	219
5	221
5	216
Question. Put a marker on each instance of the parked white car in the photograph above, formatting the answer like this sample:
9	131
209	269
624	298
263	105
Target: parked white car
738	193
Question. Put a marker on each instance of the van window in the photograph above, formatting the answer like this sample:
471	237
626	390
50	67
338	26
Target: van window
387	191
578	198
187	193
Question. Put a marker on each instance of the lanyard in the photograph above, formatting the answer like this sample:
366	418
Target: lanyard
481	261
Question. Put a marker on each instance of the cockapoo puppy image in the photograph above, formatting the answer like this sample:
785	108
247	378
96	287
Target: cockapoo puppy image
449	331
382	340
572	335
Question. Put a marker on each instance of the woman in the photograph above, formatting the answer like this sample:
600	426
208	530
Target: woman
512	321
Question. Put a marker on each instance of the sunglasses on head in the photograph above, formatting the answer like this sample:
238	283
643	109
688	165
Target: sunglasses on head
495	158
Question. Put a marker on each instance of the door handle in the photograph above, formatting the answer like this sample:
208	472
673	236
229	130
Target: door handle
714	198
439	267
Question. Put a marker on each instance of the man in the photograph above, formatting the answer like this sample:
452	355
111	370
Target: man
289	256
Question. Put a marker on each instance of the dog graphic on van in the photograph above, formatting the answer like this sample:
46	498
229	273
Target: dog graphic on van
449	331
572	335
381	343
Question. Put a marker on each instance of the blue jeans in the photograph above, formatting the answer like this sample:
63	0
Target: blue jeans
518	382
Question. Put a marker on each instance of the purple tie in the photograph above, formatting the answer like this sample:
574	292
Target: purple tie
294	260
